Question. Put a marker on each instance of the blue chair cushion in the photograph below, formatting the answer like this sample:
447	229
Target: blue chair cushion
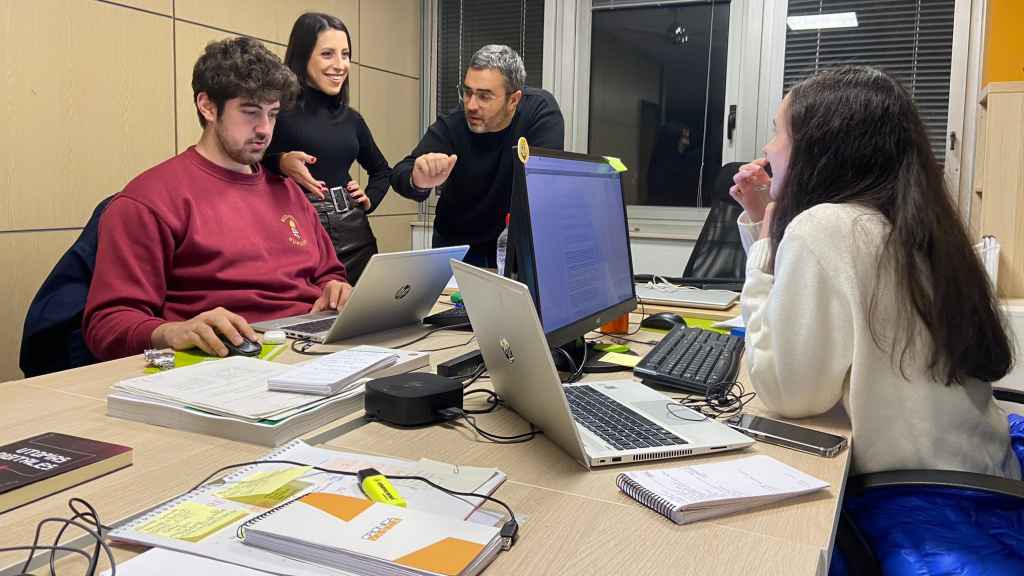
919	531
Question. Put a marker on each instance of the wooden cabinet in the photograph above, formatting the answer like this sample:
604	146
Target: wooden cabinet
997	202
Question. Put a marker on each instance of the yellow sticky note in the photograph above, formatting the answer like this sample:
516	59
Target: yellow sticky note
262	485
191	521
275	497
616	164
621	359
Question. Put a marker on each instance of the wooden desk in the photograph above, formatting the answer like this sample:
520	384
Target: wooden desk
716	315
575	522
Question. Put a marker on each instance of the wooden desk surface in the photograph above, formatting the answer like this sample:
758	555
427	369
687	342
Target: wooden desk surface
575	522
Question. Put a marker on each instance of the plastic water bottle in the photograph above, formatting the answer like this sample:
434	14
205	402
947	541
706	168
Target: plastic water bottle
502	246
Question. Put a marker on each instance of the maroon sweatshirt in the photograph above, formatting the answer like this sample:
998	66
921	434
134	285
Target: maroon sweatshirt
187	236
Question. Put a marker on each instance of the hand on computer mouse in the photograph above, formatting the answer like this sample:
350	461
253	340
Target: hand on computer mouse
203	332
247	347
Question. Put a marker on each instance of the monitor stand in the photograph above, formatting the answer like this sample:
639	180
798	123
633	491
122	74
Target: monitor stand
592	366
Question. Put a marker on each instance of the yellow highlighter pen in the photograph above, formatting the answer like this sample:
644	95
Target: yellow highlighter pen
378	488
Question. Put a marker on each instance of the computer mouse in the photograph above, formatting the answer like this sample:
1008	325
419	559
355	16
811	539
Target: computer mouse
663	321
246	348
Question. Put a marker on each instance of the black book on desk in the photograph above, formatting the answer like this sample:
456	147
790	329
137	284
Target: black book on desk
36	467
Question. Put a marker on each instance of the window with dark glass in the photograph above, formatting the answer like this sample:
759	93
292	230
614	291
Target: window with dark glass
464	26
657	97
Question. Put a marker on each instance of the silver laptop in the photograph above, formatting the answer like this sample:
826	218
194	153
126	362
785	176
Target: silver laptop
670	295
519	362
395	289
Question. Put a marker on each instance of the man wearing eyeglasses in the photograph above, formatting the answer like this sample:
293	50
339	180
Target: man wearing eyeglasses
467	155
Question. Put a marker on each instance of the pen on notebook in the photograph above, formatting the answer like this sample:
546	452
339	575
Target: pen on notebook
378	488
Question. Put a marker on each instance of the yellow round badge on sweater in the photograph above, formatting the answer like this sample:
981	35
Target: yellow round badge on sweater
524	149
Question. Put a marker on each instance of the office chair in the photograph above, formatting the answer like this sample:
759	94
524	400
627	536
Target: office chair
718	255
914	522
52	338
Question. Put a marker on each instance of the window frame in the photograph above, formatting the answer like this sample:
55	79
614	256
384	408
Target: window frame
567	76
757	45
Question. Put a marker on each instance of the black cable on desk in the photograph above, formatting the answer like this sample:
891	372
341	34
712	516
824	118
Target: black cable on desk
303	345
306	344
93	528
725	400
492	399
431	331
457	413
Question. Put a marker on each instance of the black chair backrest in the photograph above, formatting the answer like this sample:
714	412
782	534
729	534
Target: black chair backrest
52	337
718	253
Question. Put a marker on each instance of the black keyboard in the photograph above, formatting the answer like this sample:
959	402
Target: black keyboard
695	360
449	317
615	423
311	327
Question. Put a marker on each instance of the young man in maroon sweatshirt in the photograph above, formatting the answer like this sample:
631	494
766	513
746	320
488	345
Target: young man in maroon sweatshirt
208	241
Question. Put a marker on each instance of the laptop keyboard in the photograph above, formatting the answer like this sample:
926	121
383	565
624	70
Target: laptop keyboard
613	422
312	327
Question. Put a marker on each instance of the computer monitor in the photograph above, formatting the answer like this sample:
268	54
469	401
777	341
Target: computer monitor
569	242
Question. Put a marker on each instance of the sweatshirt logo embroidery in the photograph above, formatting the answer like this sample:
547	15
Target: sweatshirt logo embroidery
293	226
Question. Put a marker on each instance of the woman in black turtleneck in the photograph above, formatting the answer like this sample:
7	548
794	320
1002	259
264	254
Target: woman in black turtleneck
316	142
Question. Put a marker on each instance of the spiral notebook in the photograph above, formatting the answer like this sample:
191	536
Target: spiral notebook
368	538
693	493
206	523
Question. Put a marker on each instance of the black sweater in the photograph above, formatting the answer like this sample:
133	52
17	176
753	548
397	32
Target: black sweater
473	202
336	135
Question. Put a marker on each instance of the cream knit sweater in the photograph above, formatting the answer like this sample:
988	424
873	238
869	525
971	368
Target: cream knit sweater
809	346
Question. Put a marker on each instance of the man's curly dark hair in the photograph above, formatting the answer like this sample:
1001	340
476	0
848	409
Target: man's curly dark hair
242	68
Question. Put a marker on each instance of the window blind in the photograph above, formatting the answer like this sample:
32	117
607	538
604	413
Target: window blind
464	26
910	39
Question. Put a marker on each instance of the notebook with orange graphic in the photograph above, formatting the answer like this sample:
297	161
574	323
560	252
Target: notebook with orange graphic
369	538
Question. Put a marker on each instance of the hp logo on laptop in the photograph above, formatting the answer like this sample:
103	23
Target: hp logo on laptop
506	349
403	292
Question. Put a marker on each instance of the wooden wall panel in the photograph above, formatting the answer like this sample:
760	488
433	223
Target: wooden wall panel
165	7
190	41
267	19
109	93
32	255
393	232
391	107
391	31
83	112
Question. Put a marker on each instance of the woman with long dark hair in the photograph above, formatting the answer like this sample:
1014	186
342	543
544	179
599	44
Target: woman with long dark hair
317	141
862	286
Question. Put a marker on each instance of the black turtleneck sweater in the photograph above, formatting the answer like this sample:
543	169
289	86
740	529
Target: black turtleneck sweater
473	202
337	135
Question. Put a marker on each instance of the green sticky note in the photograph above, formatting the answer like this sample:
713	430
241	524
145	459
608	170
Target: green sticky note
195	356
704	324
611	347
616	164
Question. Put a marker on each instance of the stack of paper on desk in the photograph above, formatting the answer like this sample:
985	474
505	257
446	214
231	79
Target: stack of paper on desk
335	372
205	522
229	398
703	491
369	538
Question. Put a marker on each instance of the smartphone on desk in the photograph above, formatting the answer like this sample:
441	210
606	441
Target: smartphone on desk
788	435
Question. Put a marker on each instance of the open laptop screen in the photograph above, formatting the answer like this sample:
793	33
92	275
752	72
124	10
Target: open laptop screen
581	248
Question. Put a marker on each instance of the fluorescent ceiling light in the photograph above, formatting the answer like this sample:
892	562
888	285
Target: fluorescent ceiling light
823	21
